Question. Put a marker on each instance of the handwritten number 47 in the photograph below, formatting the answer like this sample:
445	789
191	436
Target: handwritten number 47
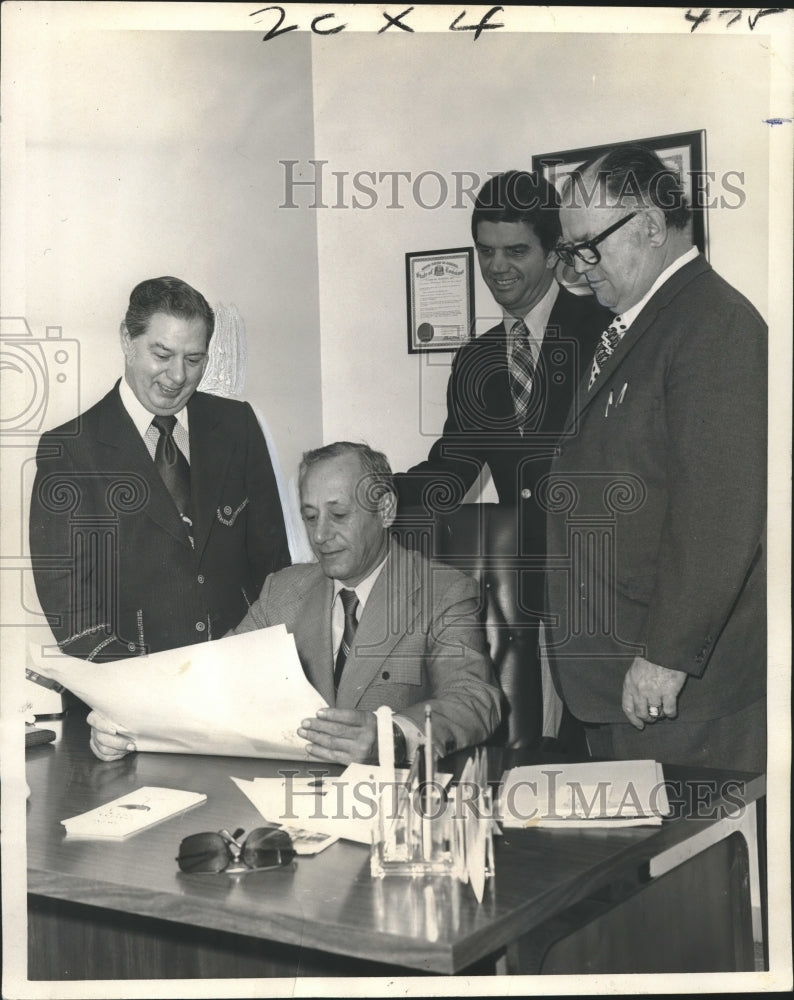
706	12
392	21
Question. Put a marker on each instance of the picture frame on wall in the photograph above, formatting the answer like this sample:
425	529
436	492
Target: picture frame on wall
440	299
684	152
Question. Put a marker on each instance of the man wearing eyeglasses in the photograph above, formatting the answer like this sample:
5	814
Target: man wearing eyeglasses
658	597
511	388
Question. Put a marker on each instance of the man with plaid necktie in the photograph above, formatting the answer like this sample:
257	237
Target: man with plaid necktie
659	594
511	388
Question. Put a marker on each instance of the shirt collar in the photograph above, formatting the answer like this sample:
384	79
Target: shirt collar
537	319
364	588
139	415
628	317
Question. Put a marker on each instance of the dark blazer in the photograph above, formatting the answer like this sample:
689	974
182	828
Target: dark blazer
114	568
656	540
419	642
481	426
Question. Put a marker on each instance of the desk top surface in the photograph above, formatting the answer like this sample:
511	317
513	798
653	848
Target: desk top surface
329	901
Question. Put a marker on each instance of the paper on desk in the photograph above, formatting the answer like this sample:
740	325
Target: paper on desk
595	794
242	696
345	806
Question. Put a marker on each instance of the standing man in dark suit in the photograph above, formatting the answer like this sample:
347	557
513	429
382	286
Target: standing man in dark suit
155	515
510	389
659	492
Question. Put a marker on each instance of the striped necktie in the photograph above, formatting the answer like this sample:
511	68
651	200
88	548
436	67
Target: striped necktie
522	370
605	348
350	605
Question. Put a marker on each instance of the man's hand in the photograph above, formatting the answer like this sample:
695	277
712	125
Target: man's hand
106	741
650	692
342	735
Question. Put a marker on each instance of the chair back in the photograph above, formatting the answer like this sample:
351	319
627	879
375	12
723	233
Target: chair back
482	540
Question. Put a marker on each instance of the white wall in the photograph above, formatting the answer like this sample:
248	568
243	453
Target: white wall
149	152
439	102
156	152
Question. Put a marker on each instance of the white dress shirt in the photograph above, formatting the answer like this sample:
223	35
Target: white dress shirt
142	419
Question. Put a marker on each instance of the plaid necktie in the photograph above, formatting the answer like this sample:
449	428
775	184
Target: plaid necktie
350	604
610	339
172	466
522	370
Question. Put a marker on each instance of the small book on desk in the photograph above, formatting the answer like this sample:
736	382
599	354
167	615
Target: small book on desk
132	813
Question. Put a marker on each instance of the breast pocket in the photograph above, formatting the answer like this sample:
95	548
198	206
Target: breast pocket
397	671
228	513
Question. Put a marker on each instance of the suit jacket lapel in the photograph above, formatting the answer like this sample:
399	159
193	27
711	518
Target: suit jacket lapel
118	432
388	615
658	301
210	454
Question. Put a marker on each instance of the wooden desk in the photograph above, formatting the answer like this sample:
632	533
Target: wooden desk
102	910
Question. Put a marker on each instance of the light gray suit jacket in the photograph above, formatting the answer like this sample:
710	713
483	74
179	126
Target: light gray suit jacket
419	642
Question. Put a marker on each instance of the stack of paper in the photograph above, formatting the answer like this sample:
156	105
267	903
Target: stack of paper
609	794
132	813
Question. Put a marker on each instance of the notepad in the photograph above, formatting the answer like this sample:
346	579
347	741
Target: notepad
595	794
132	813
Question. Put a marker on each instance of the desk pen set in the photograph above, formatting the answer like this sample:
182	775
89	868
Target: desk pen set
422	829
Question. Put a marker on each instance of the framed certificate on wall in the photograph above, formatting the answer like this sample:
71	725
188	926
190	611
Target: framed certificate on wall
440	293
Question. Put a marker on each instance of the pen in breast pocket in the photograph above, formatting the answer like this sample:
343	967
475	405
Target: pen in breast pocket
609	403
622	393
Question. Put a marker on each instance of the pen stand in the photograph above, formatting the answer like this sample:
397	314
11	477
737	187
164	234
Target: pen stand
421	831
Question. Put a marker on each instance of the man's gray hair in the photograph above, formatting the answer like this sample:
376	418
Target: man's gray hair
377	478
630	174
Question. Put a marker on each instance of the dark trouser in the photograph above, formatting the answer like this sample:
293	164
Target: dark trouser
735	742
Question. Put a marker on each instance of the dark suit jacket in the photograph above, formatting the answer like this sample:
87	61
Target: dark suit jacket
419	642
481	426
656	545
114	568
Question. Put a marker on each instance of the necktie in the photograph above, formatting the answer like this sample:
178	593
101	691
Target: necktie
610	339
172	465
350	604
522	370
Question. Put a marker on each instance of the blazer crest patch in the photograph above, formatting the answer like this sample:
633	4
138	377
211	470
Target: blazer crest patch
228	516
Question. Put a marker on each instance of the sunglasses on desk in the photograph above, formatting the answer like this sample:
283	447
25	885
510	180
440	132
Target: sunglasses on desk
265	848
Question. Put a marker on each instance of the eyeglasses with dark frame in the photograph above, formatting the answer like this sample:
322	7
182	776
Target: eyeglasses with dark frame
586	251
265	848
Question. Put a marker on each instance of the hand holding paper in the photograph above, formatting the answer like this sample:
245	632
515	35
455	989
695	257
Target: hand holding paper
341	735
107	742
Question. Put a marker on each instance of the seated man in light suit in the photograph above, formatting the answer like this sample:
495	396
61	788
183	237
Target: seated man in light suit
373	623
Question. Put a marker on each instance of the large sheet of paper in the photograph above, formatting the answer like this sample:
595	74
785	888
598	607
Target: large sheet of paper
241	696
